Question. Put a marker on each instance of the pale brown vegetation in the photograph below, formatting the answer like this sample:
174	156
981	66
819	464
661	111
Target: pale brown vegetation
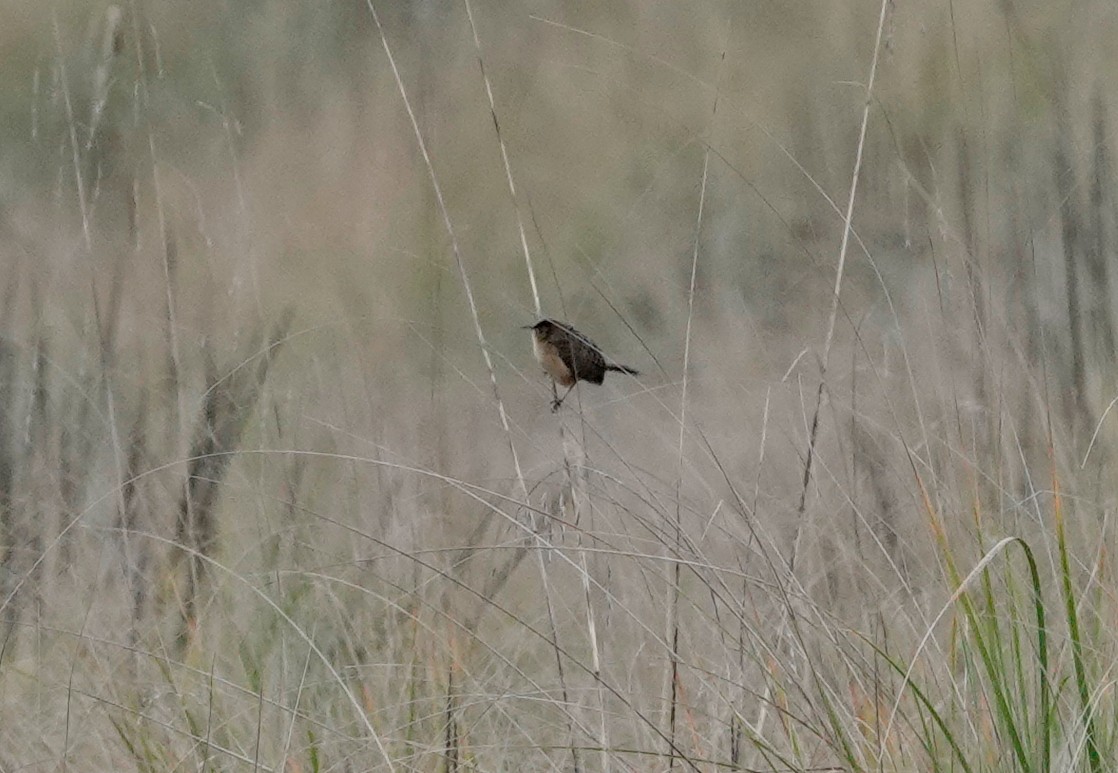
279	485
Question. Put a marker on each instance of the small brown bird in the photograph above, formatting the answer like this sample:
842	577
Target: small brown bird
569	357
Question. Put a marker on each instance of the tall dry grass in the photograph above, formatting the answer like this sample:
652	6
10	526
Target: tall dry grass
279	486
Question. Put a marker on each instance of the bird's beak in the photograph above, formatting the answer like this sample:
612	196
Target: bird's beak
527	327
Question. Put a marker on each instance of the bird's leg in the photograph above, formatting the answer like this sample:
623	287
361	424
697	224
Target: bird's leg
558	401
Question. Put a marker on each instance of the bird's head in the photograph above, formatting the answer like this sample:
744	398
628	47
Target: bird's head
542	330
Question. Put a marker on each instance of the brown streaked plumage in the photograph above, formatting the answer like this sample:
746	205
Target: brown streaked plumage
567	356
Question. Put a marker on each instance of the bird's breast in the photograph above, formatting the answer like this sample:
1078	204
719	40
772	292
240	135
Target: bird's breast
548	356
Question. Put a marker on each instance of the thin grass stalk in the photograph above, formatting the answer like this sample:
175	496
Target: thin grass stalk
576	759
786	615
105	336
76	162
840	269
1066	188
576	487
459	262
294	713
1087	709
75	150
505	161
576	484
994	672
975	285
596	668
929	706
227	404
575	470
135	553
168	265
451	749
112	43
1102	309
455	249
11	532
674	566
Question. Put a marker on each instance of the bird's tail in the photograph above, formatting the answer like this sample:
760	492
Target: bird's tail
624	369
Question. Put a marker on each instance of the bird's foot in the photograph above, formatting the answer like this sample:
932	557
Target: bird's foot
555	404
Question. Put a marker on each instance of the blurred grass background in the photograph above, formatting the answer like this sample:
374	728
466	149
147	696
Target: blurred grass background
264	504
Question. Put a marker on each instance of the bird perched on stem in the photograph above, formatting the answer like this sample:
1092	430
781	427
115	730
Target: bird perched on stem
569	357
